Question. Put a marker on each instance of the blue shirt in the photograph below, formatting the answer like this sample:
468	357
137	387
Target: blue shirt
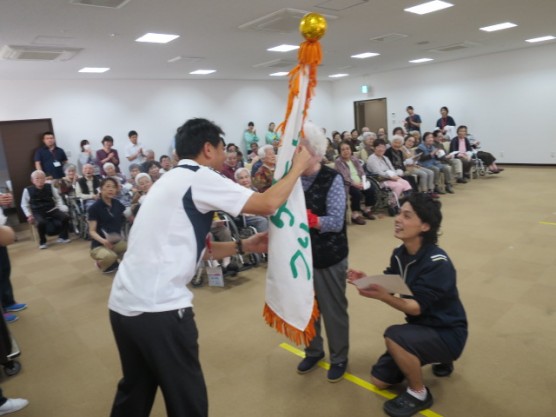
52	162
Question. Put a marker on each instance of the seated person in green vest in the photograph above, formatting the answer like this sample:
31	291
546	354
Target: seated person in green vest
106	220
41	202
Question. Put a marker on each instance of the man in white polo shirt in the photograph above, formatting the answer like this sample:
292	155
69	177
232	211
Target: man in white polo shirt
150	306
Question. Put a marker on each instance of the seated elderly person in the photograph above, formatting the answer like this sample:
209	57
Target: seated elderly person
153	169
264	175
461	148
356	184
230	165
487	158
366	148
134	170
165	164
396	156
87	186
448	158
143	183
106	220
40	203
380	165
428	159
66	184
411	162
260	223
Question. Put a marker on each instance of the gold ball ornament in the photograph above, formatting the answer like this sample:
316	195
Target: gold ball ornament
313	26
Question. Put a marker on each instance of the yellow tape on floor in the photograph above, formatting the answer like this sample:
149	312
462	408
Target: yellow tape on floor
550	223
356	380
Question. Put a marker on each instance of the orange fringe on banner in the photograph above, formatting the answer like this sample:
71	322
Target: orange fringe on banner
309	58
295	335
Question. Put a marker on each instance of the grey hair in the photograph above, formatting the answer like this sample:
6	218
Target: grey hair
239	171
315	139
108	164
142	175
397	138
37	172
367	135
69	167
263	149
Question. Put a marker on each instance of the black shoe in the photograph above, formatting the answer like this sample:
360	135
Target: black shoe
112	268
461	181
438	191
449	189
336	371
308	364
442	369
405	405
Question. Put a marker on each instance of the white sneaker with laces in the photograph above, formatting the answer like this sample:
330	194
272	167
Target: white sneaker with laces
13	405
43	246
62	240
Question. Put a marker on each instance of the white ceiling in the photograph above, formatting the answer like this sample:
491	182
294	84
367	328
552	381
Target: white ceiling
209	33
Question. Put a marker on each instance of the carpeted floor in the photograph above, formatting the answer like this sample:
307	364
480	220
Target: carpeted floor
500	232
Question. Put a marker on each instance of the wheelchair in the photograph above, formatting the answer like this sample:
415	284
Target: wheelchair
78	217
238	230
386	199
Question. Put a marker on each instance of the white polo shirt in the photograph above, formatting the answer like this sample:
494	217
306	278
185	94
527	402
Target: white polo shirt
131	149
168	236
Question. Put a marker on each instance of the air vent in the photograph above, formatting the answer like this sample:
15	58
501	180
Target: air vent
282	21
389	37
111	4
277	63
37	53
455	47
339	5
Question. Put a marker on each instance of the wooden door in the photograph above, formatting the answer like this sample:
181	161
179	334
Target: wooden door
371	113
20	139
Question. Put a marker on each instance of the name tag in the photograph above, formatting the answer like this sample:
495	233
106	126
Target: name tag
215	276
57	164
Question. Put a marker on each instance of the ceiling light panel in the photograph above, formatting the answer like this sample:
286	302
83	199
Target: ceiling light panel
499	26
338	75
283	48
420	60
541	39
279	74
156	38
202	72
94	70
365	55
431	6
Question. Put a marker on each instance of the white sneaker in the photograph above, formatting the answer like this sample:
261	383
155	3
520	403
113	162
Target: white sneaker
43	246
62	240
13	405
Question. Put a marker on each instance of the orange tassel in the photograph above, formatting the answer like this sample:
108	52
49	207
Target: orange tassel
295	335
309	57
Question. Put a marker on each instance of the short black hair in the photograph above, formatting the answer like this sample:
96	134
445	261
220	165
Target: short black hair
396	129
108	138
48	132
444	108
461	127
83	143
436	133
250	124
378	142
409	108
106	179
149	164
428	210
192	136
162	157
132	133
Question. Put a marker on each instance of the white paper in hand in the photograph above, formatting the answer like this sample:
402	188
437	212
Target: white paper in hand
392	283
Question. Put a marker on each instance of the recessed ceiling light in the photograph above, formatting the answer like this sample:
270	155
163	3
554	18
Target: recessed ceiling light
499	26
365	55
279	74
541	39
94	70
338	75
202	72
283	48
418	61
156	38
429	7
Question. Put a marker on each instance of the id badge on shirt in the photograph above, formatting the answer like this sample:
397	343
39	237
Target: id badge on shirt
57	164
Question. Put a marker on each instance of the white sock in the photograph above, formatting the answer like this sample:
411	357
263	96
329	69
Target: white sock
420	395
